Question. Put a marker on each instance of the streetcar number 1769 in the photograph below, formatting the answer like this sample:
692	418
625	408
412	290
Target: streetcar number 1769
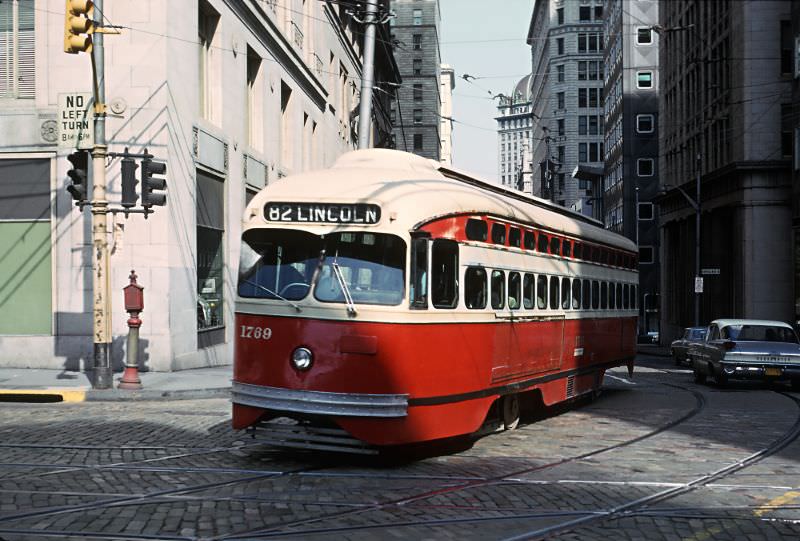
258	333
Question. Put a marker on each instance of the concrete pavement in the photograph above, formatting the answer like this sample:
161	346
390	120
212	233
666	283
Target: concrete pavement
40	385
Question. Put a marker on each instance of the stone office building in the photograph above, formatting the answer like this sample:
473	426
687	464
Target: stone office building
231	95
725	124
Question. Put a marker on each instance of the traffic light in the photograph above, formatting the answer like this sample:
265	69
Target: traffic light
78	175
129	182
151	183
78	26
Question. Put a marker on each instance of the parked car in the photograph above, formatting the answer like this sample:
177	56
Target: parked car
747	349
680	347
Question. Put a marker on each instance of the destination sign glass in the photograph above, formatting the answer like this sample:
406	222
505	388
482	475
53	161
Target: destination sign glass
324	213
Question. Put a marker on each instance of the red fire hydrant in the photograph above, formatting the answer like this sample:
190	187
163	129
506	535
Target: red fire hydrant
134	303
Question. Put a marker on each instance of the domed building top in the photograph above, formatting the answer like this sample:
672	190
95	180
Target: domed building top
522	92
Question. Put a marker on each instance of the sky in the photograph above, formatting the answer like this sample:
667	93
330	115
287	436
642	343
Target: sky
484	39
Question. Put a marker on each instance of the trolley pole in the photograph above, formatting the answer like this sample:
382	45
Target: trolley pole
101	367
368	76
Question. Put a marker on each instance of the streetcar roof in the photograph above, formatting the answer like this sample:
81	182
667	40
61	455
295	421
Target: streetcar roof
411	191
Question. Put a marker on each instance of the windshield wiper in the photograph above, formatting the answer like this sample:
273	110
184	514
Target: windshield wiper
348	298
259	286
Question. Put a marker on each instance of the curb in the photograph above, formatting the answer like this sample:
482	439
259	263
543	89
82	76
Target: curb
108	395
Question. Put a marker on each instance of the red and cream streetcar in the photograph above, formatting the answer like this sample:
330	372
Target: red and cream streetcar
389	300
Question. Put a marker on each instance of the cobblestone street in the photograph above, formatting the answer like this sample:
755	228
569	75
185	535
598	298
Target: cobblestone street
656	457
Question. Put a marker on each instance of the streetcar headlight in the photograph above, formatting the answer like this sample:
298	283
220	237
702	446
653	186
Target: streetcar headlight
302	358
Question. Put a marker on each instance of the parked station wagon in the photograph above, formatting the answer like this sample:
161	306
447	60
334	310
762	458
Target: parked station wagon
680	347
747	349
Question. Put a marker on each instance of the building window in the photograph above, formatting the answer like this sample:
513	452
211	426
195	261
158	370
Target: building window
645	123
585	13
645	211
17	66
417	116
417	141
598	13
26	245
560	15
417	66
417	92
560	73
645	167
590	70
589	97
590	152
417	17
560	45
560	126
786	46
255	101
646	255
644	79
210	254
590	42
561	100
417	41
644	36
561	155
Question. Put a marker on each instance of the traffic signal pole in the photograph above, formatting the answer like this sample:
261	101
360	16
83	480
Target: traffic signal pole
101	366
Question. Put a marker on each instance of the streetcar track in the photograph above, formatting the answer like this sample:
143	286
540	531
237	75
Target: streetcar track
279	529
635	508
629	508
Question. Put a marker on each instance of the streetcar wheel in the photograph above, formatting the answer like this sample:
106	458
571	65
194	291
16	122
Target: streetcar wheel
699	377
510	411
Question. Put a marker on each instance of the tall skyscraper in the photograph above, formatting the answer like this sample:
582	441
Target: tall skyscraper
514	123
566	40
417	113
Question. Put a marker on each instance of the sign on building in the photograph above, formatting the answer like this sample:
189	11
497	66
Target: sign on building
76	120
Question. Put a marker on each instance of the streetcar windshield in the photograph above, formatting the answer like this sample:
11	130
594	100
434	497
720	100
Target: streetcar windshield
370	269
282	264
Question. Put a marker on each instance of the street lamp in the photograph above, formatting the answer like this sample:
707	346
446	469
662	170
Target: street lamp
695	203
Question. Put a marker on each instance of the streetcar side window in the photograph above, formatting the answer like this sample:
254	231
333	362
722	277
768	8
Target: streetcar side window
514	290
528	291
529	241
498	233
498	284
553	293
541	292
576	294
475	288
514	237
604	295
619	296
567	248
587	294
612	295
477	230
543	240
555	245
577	252
444	274
418	291
626	296
595	295
634	298
565	291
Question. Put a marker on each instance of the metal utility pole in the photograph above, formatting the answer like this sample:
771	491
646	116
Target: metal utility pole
368	76
101	366
697	294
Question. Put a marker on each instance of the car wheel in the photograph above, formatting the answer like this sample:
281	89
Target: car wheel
721	378
699	377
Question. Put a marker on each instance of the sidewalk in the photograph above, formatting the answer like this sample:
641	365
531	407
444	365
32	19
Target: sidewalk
653	350
40	385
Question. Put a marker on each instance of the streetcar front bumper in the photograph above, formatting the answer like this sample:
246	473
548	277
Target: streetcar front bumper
319	402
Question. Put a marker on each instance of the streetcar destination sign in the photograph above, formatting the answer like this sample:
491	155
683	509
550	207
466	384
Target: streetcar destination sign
325	213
